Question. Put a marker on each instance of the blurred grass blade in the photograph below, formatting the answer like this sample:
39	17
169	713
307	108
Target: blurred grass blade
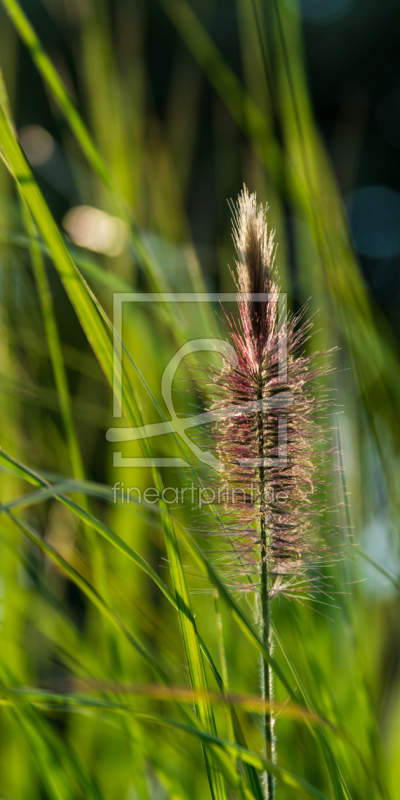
242	107
53	340
248	756
102	346
338	784
182	602
93	271
235	728
248	630
58	90
89	314
85	516
58	493
202	562
188	541
192	650
69	274
90	593
87	307
78	127
222	761
54	345
53	760
47	765
251	758
71	690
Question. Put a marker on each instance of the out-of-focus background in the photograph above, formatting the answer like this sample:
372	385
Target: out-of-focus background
184	102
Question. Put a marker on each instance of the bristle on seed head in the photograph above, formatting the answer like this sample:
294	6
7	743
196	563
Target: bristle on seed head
275	458
256	250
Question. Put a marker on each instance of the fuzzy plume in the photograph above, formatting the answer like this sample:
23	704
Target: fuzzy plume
272	501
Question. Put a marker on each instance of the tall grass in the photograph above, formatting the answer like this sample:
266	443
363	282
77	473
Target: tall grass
128	668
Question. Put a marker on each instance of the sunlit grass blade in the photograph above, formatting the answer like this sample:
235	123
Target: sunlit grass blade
198	556
185	608
57	88
192	650
88	313
84	516
54	345
248	630
79	129
297	696
88	309
57	492
249	757
222	761
102	347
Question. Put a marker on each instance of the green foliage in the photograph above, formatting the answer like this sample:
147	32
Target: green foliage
110	677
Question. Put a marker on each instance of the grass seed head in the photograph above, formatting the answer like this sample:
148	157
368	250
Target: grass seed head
275	459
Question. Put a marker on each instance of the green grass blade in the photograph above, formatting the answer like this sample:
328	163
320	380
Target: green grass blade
54	345
203	563
222	761
88	313
58	90
192	650
58	493
90	593
197	555
338	784
259	762
79	129
86	517
73	281
102	346
242	107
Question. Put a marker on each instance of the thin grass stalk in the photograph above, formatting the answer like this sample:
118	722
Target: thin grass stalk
266	672
266	677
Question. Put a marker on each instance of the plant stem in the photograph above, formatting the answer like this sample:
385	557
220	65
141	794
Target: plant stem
266	674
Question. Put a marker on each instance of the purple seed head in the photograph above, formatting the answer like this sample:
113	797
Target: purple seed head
275	449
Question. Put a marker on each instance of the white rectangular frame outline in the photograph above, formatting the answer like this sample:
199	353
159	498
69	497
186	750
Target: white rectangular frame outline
119	298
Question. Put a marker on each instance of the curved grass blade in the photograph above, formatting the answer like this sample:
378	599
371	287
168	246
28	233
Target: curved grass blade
257	761
107	533
210	573
92	270
80	131
54	345
249	702
90	593
59	690
82	299
198	556
192	650
222	761
83	515
202	562
58	90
